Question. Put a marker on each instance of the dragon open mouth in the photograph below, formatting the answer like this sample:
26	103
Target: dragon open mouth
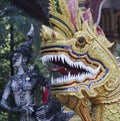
72	71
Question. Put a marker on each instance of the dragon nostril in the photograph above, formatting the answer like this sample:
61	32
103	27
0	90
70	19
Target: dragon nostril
53	36
81	40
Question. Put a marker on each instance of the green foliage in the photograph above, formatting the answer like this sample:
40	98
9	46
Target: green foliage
3	116
10	16
118	49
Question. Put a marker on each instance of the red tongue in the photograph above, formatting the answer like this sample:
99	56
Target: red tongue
63	71
60	69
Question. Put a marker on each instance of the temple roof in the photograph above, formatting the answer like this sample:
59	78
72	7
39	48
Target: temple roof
38	9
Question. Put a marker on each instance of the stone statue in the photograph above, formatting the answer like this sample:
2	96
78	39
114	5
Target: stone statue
23	84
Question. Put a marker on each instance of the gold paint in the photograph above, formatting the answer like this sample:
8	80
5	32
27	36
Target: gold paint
103	95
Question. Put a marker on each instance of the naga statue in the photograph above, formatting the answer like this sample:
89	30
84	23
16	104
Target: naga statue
85	73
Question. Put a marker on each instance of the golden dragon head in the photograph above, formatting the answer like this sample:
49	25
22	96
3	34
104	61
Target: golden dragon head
76	51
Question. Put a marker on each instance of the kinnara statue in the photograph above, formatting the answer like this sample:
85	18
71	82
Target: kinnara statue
86	77
23	84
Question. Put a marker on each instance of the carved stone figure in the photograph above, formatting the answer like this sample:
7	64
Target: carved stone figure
23	84
87	77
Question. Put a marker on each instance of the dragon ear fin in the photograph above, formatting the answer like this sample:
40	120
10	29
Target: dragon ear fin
100	33
72	6
105	41
87	16
79	20
102	37
88	30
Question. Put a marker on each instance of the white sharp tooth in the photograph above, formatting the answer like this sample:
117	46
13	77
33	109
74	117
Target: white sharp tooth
82	76
48	57
52	80
77	65
71	64
55	58
67	61
58	57
96	70
83	66
61	79
52	57
62	57
87	74
69	75
57	80
64	79
43	61
74	75
88	68
78	75
80	66
74	65
65	69
69	79
91	75
91	70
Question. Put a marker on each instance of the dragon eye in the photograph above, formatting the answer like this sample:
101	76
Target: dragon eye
81	42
